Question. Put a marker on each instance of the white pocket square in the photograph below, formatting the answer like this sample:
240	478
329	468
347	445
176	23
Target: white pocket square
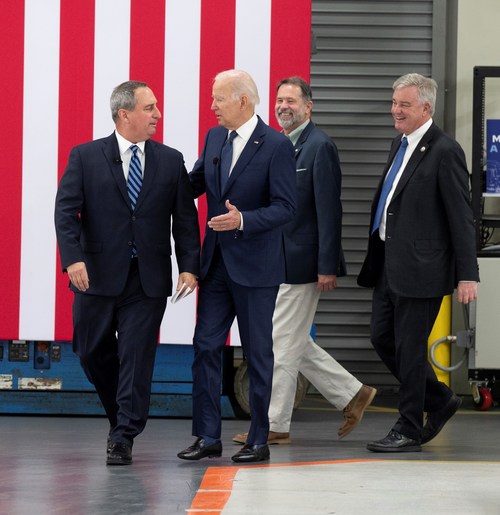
301	170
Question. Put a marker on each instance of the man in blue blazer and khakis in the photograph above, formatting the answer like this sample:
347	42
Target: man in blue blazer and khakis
247	171
114	240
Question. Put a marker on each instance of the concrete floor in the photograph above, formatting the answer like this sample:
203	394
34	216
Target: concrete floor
56	465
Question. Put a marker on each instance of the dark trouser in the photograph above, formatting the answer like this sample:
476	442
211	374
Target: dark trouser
116	340
400	328
219	301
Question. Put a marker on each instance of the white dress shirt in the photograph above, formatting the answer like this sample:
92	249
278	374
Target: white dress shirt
239	142
413	141
244	133
126	154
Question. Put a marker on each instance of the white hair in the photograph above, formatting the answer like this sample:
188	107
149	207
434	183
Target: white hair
241	84
427	88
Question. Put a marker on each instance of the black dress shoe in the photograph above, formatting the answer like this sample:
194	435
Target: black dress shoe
200	450
119	454
109	442
250	453
436	421
395	442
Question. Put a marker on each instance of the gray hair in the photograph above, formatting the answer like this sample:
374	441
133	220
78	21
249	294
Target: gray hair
305	89
241	84
427	88
123	97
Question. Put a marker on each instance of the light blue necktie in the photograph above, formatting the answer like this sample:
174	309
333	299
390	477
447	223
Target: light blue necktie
134	183
226	158
386	188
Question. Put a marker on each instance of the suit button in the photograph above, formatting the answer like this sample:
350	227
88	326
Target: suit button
129	243
133	219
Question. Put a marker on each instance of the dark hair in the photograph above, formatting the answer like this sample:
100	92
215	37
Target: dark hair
123	97
305	89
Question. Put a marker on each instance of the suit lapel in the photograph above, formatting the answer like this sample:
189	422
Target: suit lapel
150	171
303	138
213	177
390	159
112	154
253	144
420	151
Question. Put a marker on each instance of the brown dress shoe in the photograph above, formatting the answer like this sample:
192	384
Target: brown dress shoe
354	411
240	438
274	438
278	438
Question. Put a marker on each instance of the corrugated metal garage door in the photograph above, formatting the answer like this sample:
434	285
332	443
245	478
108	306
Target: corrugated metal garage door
360	48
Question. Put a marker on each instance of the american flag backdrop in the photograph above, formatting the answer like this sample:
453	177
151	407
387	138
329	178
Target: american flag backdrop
60	61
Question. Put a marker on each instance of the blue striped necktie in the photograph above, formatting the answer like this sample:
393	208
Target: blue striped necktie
134	183
386	188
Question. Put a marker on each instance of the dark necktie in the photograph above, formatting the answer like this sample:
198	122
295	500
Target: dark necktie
386	188
134	182
226	158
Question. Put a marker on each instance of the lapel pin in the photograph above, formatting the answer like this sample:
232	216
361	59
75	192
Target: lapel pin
256	142
422	149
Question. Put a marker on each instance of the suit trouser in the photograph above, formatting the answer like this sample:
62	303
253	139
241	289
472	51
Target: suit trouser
295	351
219	300
400	328
116	340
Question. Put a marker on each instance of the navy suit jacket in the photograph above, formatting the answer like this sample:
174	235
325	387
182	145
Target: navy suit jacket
95	222
430	236
261	186
312	241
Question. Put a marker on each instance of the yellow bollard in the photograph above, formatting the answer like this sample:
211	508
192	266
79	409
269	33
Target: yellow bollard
442	328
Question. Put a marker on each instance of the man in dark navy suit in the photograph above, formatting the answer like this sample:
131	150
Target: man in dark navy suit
247	171
115	247
314	261
421	247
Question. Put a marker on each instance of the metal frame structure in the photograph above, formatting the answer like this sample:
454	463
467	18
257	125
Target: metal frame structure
478	156
485	382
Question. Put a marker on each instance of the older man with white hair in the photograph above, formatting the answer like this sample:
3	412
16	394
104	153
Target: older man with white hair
247	171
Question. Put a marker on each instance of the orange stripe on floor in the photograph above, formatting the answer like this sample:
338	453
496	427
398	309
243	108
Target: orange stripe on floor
217	484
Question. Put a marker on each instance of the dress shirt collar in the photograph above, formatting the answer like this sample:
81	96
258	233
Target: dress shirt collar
246	130
124	144
296	133
416	136
413	140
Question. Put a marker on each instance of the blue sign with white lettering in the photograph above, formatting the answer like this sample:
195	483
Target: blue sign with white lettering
492	156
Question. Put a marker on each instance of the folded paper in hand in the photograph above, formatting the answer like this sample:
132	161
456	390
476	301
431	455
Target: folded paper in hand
184	291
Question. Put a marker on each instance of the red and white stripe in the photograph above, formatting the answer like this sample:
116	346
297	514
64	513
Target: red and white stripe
60	61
